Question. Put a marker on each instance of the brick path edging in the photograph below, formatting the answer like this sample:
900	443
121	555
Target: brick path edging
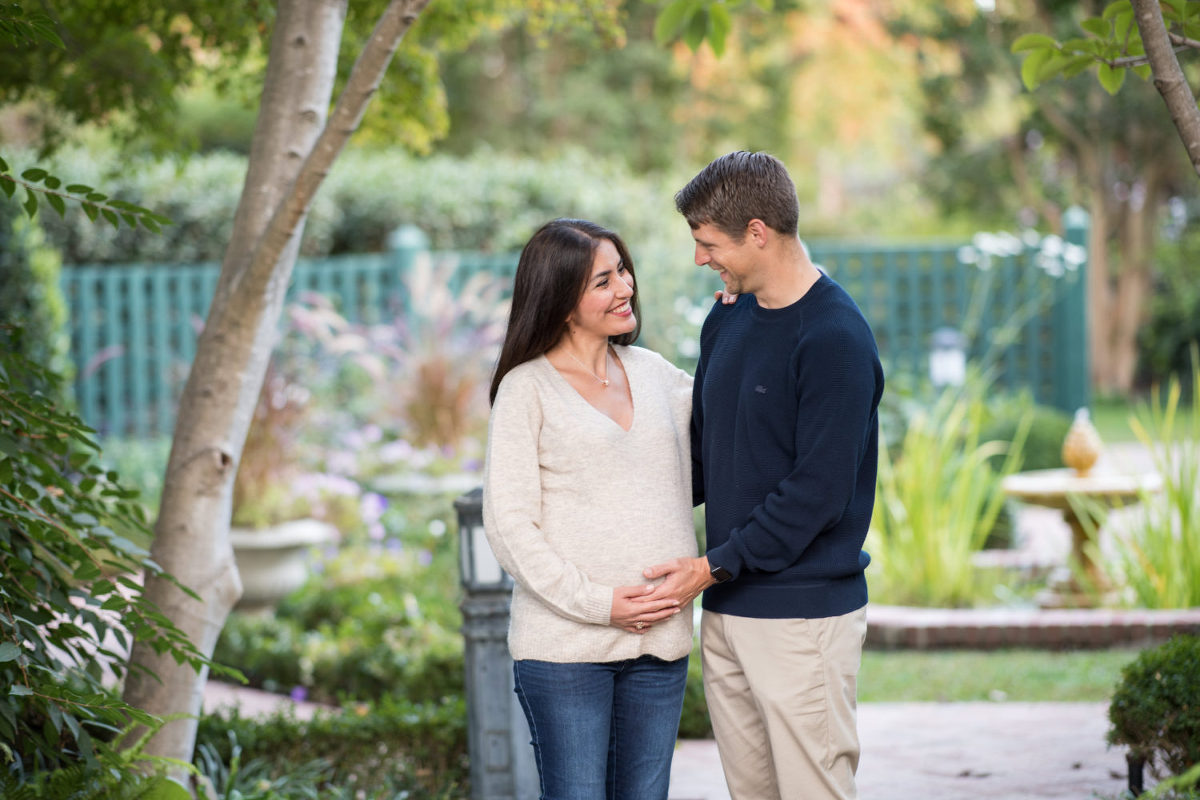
901	627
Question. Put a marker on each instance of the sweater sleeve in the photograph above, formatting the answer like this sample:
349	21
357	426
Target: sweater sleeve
512	502
837	388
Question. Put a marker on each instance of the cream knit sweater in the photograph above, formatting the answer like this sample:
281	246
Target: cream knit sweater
574	506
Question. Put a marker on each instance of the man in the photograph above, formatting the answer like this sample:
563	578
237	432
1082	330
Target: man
784	449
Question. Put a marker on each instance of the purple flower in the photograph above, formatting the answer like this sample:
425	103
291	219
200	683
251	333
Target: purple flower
424	558
371	506
298	694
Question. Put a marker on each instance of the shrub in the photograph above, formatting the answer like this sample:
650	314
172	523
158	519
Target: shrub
386	748
1155	711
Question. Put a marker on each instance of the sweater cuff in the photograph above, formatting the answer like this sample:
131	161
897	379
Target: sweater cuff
726	556
597	605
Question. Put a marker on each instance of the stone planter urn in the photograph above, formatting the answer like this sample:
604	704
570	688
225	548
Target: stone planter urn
274	562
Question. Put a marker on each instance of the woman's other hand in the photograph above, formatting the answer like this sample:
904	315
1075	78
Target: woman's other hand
632	613
725	297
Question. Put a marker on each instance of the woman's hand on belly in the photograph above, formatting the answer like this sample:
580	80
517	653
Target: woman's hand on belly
633	613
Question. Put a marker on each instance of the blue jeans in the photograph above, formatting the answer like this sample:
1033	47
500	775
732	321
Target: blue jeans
603	731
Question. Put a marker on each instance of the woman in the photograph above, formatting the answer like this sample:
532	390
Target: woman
588	479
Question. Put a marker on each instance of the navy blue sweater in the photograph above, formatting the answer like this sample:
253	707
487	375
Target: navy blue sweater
785	437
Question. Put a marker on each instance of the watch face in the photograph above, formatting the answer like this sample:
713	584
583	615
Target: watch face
720	574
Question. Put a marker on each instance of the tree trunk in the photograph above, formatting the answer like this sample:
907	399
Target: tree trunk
291	153
1135	282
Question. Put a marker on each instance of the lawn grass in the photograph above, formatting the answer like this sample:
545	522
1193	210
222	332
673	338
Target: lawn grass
1111	416
1016	675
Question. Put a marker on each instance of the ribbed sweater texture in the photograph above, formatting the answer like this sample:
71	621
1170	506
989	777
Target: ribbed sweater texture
574	505
785	440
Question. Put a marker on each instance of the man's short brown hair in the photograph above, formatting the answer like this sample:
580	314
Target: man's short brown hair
738	187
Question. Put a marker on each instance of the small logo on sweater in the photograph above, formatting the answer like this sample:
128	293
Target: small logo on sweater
760	389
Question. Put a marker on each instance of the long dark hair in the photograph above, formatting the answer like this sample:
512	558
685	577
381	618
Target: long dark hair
551	277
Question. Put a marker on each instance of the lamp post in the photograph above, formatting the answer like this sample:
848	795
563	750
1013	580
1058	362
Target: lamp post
947	358
502	765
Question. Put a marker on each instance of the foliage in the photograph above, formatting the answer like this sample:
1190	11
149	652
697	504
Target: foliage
694	722
351	632
117	773
1173	325
381	749
936	499
349	401
30	295
71	600
487	202
1155	710
95	204
1158	552
1112	43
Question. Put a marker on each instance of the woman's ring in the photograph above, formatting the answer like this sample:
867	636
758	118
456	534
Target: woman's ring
640	625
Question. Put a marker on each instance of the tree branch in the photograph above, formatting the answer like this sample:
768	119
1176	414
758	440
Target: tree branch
1168	76
364	80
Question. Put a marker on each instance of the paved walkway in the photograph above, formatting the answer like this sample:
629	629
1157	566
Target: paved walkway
912	751
957	751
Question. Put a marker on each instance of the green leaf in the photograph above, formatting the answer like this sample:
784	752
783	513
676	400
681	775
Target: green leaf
9	651
97	197
20	691
670	19
3	165
111	216
1076	65
1144	72
1097	27
697	29
57	204
34	174
722	23
30	203
130	220
8	186
1111	79
1124	25
52	182
79	188
1032	66
1119	7
167	789
91	211
1033	41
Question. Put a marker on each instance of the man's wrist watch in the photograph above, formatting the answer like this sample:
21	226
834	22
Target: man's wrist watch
720	574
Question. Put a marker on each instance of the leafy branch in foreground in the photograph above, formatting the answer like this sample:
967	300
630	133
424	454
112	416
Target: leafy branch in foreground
95	204
27	27
71	594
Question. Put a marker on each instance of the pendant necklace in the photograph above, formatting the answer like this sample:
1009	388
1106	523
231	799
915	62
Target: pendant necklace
603	381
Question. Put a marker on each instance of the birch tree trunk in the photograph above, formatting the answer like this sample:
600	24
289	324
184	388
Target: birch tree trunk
292	150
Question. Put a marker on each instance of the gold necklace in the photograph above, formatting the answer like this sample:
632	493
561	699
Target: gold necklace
603	381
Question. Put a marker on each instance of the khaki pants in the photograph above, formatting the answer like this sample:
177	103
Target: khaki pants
782	697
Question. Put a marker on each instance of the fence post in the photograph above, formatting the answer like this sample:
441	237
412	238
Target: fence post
405	243
1074	390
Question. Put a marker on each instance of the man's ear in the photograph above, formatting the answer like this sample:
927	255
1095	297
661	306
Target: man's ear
757	232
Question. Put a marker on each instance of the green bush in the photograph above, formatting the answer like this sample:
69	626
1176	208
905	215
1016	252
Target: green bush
387	748
1173	324
694	723
1155	711
488	202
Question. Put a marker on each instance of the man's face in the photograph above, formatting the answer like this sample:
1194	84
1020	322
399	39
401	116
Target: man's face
733	261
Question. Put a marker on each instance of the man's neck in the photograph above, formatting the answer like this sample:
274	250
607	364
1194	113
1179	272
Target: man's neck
787	278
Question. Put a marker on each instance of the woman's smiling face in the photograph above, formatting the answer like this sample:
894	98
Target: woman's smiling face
605	309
